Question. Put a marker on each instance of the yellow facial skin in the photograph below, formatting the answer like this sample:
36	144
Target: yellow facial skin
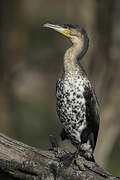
66	32
60	29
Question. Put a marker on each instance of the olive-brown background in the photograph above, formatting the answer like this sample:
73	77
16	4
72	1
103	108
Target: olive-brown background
31	59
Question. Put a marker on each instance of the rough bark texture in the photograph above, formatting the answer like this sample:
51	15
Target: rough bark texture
20	161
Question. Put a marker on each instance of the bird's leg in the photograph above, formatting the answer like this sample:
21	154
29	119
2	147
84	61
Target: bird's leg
63	135
54	143
59	152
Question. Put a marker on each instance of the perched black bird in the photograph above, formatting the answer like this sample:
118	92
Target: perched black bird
77	105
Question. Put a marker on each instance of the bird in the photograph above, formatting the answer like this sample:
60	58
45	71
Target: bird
76	102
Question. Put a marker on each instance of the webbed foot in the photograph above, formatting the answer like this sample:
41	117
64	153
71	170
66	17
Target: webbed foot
88	156
68	158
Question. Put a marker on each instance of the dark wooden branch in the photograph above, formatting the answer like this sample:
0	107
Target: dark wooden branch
20	161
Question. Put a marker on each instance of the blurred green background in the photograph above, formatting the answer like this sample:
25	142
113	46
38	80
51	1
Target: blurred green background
31	61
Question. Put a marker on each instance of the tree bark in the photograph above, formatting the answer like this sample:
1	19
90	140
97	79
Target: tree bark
20	161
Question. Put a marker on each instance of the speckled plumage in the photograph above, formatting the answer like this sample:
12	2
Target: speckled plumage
71	106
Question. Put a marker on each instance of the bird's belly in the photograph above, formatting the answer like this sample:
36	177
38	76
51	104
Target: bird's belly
71	107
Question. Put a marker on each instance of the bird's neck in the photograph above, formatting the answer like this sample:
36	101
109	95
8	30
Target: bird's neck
72	58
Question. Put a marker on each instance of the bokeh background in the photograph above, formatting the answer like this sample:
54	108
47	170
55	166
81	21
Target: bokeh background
31	60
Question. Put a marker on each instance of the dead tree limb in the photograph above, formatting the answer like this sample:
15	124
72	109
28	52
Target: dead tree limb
20	161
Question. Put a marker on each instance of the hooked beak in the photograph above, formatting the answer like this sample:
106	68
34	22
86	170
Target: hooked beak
58	28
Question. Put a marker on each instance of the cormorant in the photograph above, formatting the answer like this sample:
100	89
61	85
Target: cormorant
77	105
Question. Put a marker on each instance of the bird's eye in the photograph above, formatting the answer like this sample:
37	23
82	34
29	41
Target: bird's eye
76	33
73	32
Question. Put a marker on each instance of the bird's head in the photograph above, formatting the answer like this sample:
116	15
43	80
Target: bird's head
74	32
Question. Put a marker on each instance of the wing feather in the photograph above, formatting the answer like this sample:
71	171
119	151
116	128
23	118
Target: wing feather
92	116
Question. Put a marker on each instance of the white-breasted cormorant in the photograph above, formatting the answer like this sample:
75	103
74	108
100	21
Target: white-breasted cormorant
77	105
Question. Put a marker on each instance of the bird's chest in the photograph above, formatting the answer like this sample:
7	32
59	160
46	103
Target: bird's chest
70	100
